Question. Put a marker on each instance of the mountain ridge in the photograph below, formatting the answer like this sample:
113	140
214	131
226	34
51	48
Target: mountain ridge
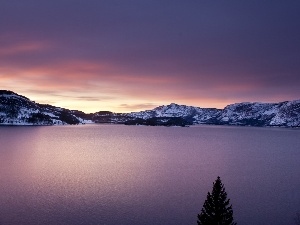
16	109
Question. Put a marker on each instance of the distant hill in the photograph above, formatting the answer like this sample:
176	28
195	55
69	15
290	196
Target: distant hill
19	110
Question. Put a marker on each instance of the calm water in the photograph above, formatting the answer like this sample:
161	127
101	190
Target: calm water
107	174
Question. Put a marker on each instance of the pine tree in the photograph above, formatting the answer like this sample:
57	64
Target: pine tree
216	208
297	218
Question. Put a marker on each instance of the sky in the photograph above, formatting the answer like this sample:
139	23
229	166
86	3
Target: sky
132	55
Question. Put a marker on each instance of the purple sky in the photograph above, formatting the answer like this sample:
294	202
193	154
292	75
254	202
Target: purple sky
132	55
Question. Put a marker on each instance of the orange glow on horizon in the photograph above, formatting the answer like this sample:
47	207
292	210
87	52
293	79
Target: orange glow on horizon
93	86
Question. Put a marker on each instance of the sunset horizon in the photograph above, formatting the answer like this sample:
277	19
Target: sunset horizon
132	56
141	112
139	107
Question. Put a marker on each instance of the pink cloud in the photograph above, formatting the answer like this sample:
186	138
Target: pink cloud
21	48
109	86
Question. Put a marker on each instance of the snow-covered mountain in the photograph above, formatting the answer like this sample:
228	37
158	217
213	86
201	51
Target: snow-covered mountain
199	115
262	114
285	114
192	114
19	110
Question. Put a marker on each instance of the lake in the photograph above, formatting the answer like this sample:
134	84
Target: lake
136	175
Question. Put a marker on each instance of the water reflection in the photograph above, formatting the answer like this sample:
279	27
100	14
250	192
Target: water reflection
145	175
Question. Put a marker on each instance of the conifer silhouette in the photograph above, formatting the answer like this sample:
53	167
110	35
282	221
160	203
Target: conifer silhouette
216	208
297	218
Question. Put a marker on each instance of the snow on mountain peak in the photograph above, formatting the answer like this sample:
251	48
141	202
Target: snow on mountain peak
18	110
